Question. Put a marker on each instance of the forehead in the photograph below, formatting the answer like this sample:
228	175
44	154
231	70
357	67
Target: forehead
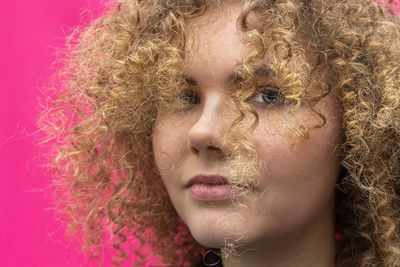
215	34
215	43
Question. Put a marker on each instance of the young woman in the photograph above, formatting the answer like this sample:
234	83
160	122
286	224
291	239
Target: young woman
260	133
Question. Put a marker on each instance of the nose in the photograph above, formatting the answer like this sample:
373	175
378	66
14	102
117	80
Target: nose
205	137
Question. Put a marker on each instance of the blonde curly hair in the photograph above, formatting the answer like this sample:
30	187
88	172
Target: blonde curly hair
122	70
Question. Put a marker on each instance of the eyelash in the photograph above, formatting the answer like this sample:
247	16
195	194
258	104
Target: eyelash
267	95
189	97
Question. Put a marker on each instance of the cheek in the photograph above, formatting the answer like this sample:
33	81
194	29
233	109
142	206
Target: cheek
298	184
298	179
169	144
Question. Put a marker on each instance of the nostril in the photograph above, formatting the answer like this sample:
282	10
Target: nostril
214	148
194	150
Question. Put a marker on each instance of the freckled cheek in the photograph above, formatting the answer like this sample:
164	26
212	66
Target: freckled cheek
169	145
274	159
293	184
284	164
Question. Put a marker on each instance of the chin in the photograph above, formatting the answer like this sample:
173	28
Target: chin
215	234
209	239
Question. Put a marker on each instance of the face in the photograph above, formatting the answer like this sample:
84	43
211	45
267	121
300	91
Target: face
297	180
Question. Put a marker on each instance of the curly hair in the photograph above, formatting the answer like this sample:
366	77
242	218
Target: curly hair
124	69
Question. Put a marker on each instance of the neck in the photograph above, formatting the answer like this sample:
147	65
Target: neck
314	246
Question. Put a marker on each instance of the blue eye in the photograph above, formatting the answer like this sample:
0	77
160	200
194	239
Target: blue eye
189	97
268	95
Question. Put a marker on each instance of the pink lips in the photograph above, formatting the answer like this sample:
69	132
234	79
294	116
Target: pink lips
210	188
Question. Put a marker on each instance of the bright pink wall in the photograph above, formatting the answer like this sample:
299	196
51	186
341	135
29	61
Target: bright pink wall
29	233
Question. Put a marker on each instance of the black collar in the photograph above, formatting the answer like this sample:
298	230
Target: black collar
211	258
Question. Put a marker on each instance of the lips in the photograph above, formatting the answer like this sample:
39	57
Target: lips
211	188
207	180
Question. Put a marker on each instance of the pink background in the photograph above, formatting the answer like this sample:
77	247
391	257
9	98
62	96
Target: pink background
29	232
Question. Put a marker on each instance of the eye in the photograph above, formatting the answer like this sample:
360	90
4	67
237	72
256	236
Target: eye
189	97
268	95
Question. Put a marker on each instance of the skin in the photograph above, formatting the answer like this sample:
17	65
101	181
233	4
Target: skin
293	221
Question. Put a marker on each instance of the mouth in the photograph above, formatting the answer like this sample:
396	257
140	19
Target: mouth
207	180
211	188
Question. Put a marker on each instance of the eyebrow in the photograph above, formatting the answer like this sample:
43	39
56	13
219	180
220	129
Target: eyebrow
189	80
260	70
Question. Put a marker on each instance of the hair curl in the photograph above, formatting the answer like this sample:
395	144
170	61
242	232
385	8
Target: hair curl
121	71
